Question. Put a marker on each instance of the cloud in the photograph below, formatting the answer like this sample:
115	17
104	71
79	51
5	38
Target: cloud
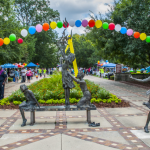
79	10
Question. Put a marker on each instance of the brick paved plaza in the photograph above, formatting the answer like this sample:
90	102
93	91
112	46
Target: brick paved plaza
120	128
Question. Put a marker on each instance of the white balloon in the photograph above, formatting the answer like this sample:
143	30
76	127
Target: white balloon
117	27
24	32
72	23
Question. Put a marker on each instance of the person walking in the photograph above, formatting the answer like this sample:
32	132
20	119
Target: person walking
28	75
49	71
16	75
3	78
23	75
100	73
44	71
40	72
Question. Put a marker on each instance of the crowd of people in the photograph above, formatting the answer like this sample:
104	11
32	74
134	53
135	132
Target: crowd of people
88	71
27	74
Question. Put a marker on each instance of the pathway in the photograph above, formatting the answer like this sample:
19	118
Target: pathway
12	86
121	128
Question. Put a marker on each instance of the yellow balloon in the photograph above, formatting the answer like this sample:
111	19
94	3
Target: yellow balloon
98	23
6	41
53	25
142	36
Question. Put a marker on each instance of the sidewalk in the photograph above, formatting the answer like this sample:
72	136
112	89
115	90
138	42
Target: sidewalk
12	86
120	128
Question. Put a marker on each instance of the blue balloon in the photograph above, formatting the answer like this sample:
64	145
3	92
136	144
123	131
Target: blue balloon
78	23
32	30
123	30
106	60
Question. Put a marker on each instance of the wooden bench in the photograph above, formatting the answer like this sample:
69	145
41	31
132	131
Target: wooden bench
60	108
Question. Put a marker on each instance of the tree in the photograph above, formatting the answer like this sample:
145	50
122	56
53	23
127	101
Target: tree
132	14
85	51
13	52
33	12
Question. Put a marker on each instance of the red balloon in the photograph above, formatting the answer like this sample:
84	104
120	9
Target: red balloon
65	26
111	26
20	41
1	41
91	23
136	35
45	26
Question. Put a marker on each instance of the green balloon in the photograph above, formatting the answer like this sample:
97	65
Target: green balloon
59	24
105	25
148	39
12	37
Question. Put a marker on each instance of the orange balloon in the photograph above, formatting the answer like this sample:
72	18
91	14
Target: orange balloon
1	41
136	35
45	26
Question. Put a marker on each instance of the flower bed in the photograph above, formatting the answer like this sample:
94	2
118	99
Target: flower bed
49	91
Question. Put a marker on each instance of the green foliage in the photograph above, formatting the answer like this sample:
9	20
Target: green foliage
111	77
4	101
49	101
93	100
17	102
119	48
13	52
41	101
50	91
85	50
10	79
17	96
20	14
43	49
102	93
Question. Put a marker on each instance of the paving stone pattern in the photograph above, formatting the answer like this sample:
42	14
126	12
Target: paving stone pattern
120	128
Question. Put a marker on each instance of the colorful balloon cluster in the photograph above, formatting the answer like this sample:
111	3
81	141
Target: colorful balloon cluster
11	38
91	23
78	23
25	64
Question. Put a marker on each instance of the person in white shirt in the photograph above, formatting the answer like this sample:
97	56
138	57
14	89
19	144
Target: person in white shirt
23	74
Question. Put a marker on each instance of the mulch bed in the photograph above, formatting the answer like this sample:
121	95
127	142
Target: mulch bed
98	105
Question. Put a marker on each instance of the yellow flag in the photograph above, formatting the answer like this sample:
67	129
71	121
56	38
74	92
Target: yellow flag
70	44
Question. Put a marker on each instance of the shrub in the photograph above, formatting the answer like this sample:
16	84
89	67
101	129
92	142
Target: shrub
116	101
41	101
17	96
108	101
104	100
10	79
63	101
49	101
72	100
93	100
48	95
73	93
102	93
50	90
17	102
55	101
4	101
60	101
111	77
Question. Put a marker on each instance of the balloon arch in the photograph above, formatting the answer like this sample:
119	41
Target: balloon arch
78	23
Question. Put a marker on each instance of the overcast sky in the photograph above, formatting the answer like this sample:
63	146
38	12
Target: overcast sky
78	10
